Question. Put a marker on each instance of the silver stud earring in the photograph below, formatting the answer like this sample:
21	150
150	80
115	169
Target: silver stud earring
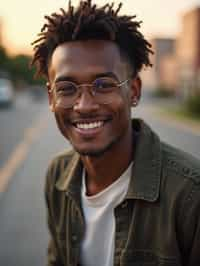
135	102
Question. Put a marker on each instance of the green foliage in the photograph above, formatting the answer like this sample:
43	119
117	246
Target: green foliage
18	69
3	57
192	104
163	92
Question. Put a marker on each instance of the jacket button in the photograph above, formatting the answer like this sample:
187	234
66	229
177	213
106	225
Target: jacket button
74	238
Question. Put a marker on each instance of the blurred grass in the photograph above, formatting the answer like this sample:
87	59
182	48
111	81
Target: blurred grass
182	113
188	109
192	106
163	92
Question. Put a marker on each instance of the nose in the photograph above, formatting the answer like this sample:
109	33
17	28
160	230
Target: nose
86	103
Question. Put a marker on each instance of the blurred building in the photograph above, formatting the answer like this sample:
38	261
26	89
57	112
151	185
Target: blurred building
176	63
188	51
169	73
162	74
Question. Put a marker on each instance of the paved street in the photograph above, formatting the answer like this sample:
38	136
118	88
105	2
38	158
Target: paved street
23	232
182	134
15	121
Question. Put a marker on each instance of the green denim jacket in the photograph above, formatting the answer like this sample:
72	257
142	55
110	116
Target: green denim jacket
158	223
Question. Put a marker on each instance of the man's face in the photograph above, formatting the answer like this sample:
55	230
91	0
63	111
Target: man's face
92	128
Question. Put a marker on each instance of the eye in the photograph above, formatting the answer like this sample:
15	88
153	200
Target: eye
65	88
104	84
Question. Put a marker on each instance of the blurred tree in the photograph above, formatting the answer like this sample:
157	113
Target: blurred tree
3	58
192	104
17	68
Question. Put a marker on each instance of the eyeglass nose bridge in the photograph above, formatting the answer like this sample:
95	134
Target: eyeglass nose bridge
82	101
87	87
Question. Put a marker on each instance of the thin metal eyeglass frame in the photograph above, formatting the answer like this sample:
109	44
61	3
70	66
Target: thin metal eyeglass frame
92	91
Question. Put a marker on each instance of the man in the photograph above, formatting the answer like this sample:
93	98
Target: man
121	196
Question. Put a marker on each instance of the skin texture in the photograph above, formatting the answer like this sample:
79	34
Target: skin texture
106	151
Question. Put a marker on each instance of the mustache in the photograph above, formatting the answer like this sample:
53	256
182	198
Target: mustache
87	117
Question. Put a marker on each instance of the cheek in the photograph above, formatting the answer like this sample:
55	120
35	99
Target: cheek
61	123
123	107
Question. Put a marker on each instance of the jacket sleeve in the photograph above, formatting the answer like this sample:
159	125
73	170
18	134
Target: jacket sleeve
53	256
191	227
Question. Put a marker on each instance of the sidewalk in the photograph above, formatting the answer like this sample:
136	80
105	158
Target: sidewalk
157	109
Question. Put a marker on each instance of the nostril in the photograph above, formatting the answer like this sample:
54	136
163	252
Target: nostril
85	102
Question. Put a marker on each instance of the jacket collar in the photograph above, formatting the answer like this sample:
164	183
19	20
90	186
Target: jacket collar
146	171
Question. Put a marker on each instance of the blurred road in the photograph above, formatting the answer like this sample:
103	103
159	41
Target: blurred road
23	233
28	140
183	134
15	121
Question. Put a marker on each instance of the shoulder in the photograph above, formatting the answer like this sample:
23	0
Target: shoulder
60	160
179	163
180	184
57	166
180	178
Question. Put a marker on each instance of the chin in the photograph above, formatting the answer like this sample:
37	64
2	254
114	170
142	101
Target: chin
96	152
91	153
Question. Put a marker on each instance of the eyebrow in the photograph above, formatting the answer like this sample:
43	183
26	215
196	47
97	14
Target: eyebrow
95	76
106	74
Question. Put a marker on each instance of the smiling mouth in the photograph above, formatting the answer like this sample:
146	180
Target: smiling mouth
89	125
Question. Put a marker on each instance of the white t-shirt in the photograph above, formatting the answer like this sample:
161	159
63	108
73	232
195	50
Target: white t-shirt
97	247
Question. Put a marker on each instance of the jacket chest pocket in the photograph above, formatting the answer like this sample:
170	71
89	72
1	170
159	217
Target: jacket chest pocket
146	258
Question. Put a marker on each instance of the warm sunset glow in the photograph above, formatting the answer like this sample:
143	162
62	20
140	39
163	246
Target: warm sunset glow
22	20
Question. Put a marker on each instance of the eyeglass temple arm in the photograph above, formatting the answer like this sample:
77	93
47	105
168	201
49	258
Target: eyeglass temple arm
123	82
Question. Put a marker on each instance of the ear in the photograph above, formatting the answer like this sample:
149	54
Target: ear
50	97
135	85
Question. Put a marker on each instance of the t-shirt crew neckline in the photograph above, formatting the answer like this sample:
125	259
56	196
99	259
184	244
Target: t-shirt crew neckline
102	197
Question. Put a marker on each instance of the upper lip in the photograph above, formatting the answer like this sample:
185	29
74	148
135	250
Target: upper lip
89	120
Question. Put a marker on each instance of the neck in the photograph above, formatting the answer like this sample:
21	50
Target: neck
102	171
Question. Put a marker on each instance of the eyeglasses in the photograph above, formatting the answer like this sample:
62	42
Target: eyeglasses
103	90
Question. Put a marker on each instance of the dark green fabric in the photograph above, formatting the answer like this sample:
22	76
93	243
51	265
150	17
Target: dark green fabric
158	223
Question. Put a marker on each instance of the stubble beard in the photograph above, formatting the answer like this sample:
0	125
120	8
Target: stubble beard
99	152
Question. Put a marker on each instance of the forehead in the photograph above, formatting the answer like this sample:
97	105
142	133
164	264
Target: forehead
83	59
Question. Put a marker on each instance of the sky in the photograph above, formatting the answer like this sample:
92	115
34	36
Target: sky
21	20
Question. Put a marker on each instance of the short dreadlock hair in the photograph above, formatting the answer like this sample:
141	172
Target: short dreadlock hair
88	21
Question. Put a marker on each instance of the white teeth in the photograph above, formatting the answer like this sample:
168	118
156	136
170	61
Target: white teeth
90	125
